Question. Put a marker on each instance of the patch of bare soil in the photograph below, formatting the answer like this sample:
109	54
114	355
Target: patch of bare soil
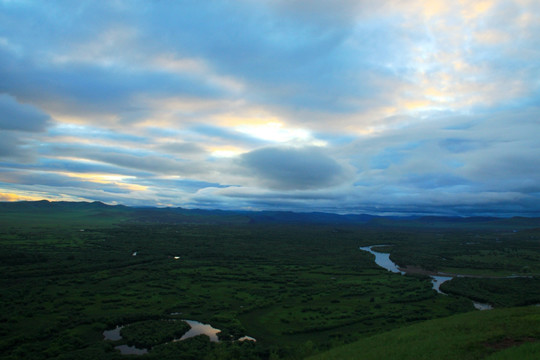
507	343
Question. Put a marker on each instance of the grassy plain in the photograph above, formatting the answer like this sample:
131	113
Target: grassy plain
71	272
497	334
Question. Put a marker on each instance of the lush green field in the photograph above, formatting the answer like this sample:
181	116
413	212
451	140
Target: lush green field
497	334
69	273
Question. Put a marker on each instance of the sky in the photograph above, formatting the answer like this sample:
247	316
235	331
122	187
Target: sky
390	107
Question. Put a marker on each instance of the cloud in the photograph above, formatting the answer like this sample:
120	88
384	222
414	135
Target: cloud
219	134
22	117
67	180
20	124
293	168
9	146
393	106
182	148
140	160
6	196
457	145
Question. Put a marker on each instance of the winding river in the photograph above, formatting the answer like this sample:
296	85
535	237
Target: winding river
383	260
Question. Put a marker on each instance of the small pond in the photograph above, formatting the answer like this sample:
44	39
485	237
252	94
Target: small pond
113	334
481	306
130	350
246	338
198	328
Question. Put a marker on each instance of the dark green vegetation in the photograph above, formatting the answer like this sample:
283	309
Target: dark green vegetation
148	333
499	292
475	252
69	273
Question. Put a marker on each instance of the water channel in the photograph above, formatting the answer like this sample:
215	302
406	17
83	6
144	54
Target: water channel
197	328
383	260
114	335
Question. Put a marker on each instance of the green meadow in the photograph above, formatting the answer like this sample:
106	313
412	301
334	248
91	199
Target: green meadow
496	334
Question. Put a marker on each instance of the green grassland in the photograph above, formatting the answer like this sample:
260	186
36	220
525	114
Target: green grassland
69	272
497	334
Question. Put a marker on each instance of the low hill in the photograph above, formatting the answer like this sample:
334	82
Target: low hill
62	213
289	217
512	333
81	213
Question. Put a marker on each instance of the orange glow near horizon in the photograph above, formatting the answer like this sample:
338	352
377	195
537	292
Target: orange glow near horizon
11	197
29	196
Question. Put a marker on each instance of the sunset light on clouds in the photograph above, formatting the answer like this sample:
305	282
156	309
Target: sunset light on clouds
382	107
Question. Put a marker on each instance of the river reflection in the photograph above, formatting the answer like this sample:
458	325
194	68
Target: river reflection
198	328
480	306
130	350
383	259
248	338
438	280
113	334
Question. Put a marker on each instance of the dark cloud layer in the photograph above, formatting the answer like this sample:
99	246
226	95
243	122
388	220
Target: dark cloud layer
292	168
9	146
23	117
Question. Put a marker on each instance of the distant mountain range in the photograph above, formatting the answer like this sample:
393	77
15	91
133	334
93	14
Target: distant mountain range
172	215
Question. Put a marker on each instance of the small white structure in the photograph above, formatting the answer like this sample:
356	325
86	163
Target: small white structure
134	253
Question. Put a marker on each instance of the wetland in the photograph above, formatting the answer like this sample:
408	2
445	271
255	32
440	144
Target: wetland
297	289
